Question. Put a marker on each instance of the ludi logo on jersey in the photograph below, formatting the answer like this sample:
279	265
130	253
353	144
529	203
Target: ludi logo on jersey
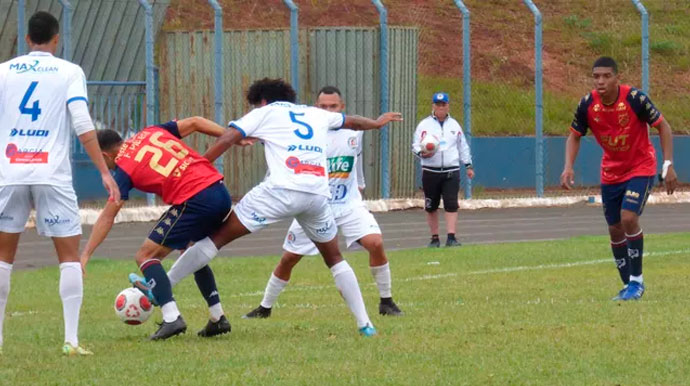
29	133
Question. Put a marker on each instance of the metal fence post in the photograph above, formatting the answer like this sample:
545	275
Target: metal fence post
218	68
150	87
383	49
66	29
539	100
466	85
645	43
21	27
294	45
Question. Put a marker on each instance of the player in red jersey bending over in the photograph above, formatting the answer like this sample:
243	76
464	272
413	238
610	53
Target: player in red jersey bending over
618	116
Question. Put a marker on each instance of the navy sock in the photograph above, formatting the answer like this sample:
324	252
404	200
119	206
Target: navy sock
451	236
635	246
620	255
207	285
158	280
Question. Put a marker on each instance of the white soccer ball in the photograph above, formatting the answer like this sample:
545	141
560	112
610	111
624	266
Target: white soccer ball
429	144
132	306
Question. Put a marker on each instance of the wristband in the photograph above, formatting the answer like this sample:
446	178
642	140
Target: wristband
664	168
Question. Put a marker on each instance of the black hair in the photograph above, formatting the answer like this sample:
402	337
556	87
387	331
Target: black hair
606	61
270	90
43	27
107	139
329	90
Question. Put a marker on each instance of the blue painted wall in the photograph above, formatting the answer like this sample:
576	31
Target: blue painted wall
500	162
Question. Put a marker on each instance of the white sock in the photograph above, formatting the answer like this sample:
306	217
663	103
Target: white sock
71	293
382	277
170	311
636	278
346	282
5	272
192	260
273	289
216	311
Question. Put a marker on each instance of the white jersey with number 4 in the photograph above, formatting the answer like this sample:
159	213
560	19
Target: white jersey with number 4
35	126
344	148
295	137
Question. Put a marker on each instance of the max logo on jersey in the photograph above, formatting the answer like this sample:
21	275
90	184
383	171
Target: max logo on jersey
21	68
29	133
313	148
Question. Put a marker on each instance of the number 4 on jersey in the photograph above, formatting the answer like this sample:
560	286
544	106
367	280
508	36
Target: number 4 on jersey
34	110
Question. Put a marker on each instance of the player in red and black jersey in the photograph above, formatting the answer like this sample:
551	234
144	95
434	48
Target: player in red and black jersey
156	161
619	117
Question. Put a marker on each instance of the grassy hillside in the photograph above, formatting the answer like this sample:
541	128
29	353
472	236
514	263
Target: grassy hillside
575	33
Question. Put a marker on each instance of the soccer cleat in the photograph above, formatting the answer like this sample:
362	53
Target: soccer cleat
222	326
72	351
620	293
634	291
452	243
168	329
259	312
390	309
367	330
435	243
140	283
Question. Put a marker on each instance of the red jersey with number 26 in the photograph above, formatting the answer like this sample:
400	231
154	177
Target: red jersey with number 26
621	130
157	161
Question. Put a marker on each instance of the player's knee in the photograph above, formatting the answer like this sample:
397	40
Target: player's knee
289	260
629	220
451	208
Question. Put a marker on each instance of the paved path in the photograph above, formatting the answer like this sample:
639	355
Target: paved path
401	229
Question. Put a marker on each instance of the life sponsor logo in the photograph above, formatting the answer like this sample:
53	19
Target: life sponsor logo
56	220
25	155
302	147
35	67
303	167
29	133
341	166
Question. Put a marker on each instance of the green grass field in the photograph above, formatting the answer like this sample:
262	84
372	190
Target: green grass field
527	313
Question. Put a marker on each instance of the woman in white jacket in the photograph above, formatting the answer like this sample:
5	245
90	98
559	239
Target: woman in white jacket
441	168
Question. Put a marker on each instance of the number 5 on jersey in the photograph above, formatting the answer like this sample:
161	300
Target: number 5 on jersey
310	131
34	110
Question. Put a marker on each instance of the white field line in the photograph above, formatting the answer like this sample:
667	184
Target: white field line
479	272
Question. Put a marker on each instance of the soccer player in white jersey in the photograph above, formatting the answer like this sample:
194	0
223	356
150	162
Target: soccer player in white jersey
41	96
351	215
295	139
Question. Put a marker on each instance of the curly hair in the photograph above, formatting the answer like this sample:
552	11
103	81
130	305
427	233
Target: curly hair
270	90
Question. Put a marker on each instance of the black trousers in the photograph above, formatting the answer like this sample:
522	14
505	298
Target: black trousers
437	184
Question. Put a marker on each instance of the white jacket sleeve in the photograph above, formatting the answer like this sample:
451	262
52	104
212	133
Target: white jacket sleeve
417	139
464	149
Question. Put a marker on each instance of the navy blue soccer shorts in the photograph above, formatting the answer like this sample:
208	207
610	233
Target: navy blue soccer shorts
629	195
194	219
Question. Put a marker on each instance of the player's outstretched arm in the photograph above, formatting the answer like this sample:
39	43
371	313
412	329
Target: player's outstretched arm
572	147
223	143
668	173
100	230
356	122
190	125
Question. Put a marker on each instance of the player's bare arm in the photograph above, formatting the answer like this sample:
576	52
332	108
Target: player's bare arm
190	125
230	137
90	143
356	122
100	230
668	173
572	147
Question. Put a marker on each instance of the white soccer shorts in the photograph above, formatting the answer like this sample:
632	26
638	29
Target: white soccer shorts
57	212
264	205
353	225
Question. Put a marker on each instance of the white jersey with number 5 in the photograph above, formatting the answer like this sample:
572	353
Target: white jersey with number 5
344	148
296	138
35	126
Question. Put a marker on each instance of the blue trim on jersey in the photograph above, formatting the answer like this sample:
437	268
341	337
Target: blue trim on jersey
79	98
124	182
233	125
342	124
